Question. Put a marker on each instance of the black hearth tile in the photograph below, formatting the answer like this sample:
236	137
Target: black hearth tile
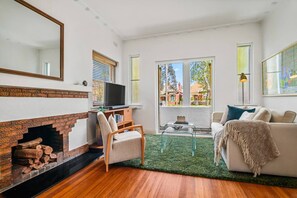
44	181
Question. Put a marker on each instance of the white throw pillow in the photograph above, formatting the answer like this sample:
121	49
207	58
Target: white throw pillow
247	116
224	116
112	123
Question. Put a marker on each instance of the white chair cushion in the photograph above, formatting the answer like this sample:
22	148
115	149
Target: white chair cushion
112	123
126	136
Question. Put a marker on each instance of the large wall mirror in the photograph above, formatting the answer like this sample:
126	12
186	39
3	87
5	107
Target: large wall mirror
31	42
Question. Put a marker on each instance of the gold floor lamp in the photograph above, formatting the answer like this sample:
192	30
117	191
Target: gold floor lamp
242	79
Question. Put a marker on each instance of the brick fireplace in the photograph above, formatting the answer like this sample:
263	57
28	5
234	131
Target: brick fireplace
13	131
53	129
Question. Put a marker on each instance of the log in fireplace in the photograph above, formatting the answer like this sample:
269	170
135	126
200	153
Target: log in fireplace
39	147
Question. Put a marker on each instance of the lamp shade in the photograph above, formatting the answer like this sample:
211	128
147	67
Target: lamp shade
243	77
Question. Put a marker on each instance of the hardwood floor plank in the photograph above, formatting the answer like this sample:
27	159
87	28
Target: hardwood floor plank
187	187
93	181
170	185
71	181
252	190
151	186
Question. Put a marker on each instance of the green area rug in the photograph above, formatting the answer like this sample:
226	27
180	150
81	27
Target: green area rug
177	158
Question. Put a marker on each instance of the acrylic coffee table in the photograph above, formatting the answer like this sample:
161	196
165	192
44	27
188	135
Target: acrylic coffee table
178	129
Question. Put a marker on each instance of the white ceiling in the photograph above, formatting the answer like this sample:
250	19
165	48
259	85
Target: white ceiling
143	18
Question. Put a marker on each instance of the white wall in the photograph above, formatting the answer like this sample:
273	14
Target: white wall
82	35
18	108
199	116
220	43
77	136
280	31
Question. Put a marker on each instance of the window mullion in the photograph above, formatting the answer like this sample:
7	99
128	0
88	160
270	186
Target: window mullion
187	84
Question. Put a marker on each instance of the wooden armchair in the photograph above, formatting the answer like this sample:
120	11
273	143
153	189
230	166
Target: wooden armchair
118	146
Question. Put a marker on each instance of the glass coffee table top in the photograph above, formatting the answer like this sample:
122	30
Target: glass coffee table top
178	129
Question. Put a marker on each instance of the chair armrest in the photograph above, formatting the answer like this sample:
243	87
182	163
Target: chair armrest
216	116
127	128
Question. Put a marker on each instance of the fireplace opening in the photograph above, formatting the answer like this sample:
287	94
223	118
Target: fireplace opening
49	135
39	147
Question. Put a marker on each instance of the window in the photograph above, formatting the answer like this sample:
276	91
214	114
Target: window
135	79
47	69
243	66
185	83
103	71
171	84
200	83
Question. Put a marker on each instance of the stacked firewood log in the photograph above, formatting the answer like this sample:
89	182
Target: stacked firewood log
33	155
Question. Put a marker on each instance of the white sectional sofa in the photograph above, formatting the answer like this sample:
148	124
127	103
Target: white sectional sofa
285	136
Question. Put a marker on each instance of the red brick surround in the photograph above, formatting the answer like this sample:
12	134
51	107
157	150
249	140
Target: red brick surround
37	92
12	131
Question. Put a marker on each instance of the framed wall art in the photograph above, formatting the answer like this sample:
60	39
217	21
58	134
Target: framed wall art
279	73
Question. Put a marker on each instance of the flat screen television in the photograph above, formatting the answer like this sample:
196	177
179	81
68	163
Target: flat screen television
114	94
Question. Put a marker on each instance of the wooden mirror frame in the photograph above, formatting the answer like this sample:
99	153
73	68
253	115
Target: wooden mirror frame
61	78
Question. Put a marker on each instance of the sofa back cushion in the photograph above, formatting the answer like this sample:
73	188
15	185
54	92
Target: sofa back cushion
289	117
281	116
277	116
263	114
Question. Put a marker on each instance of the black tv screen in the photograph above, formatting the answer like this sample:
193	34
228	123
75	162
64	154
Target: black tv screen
114	94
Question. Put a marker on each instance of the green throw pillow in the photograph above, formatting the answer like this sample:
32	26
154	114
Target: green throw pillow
234	113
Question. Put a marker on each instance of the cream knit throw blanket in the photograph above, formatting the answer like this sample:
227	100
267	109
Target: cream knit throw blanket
254	140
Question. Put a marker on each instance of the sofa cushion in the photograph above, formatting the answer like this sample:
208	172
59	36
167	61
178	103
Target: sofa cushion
234	113
277	116
264	114
289	117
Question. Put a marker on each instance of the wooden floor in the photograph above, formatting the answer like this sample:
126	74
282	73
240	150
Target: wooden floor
92	181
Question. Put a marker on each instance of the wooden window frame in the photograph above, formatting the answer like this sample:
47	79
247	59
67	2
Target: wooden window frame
108	61
133	80
249	74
